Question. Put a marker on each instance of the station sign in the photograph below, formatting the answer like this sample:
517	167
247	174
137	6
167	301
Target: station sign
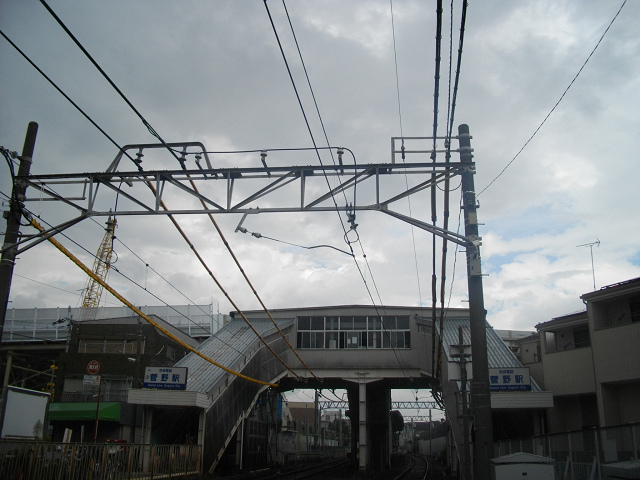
165	378
511	379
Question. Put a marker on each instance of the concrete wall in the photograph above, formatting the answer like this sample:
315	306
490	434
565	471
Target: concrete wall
570	372
616	353
530	356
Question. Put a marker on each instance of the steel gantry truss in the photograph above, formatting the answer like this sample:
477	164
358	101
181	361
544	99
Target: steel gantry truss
141	192
344	405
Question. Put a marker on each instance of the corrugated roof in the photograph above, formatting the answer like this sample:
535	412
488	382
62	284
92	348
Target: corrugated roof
498	354
227	346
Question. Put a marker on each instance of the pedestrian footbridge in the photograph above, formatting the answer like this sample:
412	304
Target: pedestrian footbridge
366	350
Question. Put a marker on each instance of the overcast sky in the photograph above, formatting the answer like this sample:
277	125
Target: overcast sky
211	71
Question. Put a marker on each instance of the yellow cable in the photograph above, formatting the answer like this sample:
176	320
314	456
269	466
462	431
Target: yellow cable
213	277
235	259
86	270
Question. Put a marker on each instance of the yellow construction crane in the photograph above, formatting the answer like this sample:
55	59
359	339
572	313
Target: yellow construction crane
93	289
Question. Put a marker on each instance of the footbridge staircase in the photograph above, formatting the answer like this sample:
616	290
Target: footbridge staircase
362	349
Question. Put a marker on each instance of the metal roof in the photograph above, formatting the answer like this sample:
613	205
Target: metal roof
499	355
616	288
133	320
227	347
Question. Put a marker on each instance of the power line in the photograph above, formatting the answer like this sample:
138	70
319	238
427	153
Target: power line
140	286
463	20
86	269
315	147
106	77
46	284
145	289
167	281
159	275
313	95
304	114
259	235
449	126
54	85
558	102
406	180
154	133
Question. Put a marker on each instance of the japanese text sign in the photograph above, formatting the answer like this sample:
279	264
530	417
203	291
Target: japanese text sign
166	378
509	379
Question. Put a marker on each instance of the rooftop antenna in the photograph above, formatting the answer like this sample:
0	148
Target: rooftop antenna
593	271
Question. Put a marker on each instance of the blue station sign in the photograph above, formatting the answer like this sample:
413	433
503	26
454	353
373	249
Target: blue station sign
511	379
165	378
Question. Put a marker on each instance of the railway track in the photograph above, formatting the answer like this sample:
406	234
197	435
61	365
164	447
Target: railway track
417	469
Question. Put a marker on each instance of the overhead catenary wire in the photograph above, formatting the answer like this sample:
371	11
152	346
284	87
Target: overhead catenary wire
107	287
54	85
326	178
259	235
118	271
313	95
119	240
47	285
306	121
406	180
253	290
155	134
358	240
165	280
87	251
120	148
217	282
106	77
148	126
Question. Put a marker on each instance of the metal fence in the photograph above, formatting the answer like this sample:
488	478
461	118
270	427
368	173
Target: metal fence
47	324
580	454
77	461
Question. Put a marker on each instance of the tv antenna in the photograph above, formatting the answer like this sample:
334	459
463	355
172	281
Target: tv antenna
593	271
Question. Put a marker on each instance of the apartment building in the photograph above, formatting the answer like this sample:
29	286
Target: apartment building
590	360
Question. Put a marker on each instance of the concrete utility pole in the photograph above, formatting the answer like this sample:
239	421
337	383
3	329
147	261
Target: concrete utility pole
316	422
480	395
13	217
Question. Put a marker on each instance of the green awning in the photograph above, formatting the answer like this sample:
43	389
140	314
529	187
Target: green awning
109	411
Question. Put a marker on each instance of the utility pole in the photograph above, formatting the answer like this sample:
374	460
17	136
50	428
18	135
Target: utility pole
463	354
480	395
316	421
13	217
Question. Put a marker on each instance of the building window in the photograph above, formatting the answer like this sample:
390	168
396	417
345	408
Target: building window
634	307
171	352
350	332
581	338
110	345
